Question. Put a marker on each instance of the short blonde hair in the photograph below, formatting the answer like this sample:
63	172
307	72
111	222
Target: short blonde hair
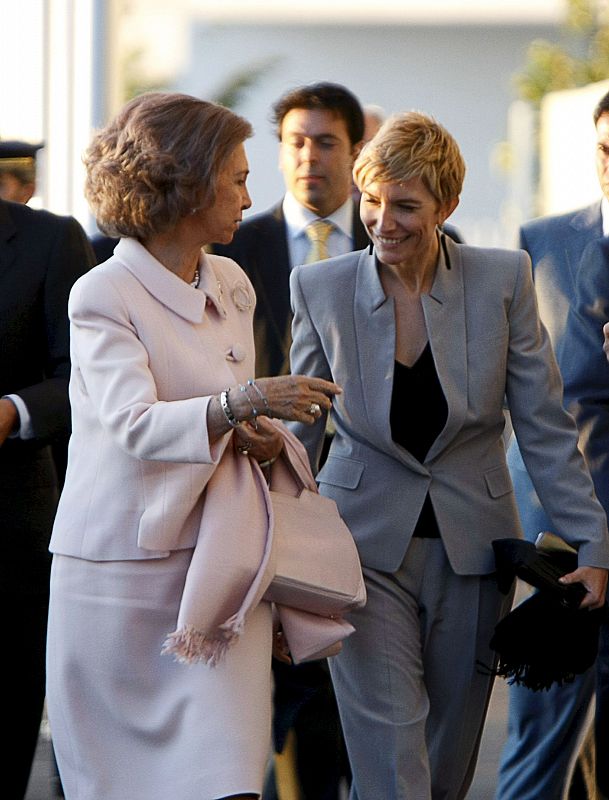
157	160
413	145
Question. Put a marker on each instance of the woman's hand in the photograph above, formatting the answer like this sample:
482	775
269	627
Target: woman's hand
263	443
595	581
296	397
291	397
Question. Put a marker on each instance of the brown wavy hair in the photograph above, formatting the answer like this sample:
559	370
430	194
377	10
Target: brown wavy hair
159	158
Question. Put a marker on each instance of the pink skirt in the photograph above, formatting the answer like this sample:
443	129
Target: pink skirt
130	724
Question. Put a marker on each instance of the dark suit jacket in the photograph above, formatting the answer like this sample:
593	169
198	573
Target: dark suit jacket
584	366
41	255
260	247
555	244
103	246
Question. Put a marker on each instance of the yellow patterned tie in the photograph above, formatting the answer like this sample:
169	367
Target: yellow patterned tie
318	233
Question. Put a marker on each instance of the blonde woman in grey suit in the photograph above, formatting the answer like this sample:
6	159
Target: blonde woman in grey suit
427	338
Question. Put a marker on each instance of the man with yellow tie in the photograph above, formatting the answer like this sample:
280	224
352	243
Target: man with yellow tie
320	128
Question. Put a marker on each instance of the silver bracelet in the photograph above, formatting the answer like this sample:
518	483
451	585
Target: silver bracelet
243	389
228	412
255	387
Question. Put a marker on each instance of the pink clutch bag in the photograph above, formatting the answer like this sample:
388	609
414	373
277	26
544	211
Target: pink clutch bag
315	560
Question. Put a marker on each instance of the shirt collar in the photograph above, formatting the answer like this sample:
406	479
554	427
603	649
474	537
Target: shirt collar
297	217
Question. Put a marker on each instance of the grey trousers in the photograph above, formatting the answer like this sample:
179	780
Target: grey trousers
411	695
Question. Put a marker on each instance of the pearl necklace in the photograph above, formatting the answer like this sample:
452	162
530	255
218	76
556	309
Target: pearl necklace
195	281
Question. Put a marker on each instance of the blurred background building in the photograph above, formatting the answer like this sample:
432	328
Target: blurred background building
67	65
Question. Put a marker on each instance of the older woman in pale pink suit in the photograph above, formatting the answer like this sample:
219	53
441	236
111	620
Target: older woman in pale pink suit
165	411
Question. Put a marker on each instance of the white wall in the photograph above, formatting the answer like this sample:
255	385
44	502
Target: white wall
461	74
568	144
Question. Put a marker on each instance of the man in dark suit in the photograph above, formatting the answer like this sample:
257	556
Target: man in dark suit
586	376
320	128
545	728
41	255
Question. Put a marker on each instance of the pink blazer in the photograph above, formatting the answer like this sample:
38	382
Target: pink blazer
148	351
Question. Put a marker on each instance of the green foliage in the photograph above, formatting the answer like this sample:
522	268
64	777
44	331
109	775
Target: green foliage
583	57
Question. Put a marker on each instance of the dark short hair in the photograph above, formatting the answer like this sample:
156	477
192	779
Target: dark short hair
602	107
158	159
325	96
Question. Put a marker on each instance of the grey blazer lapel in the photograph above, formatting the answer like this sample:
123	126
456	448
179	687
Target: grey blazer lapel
375	346
444	309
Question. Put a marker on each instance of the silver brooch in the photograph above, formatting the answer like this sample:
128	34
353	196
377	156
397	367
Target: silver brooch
242	297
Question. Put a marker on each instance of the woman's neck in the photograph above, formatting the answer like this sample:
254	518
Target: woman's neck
416	278
173	254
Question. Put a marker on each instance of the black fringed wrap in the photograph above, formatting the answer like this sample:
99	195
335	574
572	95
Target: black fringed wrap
546	639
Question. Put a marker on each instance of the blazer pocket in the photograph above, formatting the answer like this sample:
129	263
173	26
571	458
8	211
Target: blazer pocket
498	481
340	471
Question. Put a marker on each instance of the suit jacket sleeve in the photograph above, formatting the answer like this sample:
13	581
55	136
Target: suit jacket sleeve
584	365
547	436
307	358
70	255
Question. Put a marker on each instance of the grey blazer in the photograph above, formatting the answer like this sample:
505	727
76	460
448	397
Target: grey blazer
487	343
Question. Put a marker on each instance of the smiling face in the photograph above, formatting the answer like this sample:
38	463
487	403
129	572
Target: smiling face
401	220
316	157
221	220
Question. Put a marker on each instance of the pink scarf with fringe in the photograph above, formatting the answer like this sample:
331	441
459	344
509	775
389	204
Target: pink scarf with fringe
231	566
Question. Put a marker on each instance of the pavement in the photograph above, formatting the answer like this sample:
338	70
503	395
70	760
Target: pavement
483	787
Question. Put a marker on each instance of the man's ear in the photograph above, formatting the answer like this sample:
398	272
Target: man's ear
355	150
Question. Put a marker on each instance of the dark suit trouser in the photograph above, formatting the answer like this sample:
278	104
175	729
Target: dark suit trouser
304	702
28	498
23	679
601	722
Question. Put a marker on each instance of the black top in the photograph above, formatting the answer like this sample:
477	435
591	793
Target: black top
417	416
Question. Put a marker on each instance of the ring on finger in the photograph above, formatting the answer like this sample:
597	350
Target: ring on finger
315	409
244	448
